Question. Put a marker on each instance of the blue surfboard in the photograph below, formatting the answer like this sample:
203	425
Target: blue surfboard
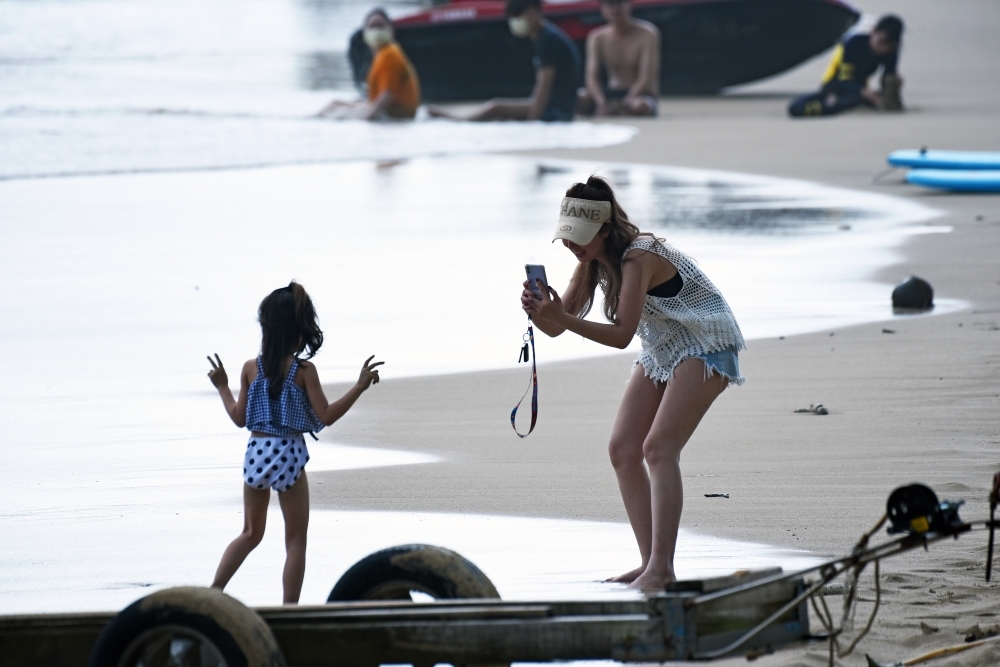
963	180
931	159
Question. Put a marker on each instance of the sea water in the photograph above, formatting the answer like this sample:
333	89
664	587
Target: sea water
160	175
122	86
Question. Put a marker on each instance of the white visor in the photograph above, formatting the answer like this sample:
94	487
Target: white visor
581	219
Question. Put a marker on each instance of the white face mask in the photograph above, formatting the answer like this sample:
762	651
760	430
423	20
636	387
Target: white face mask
377	37
519	26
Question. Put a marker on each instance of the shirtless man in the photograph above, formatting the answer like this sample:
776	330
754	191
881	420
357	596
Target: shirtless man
628	51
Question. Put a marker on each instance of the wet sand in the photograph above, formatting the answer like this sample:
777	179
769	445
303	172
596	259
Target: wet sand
919	404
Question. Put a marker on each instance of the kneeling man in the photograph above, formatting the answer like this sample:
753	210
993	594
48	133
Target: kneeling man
845	84
627	52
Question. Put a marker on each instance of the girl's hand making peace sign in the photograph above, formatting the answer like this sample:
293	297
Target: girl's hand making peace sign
368	376
218	374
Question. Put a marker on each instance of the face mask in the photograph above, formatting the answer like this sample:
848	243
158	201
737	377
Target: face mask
518	26
377	37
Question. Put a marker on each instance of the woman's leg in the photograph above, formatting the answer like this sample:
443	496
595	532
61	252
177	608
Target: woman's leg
635	417
685	401
295	508
254	517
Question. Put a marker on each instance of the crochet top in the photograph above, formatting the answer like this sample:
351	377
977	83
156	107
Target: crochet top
289	414
693	323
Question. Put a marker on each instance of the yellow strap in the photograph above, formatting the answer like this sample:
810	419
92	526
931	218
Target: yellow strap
834	66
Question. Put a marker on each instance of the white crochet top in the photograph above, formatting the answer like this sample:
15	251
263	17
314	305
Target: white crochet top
696	322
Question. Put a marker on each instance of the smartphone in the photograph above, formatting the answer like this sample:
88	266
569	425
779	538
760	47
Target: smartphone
535	272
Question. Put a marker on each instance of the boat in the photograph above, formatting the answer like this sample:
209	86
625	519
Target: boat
464	50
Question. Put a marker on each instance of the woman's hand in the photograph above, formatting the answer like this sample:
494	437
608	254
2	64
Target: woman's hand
547	307
369	374
218	374
527	297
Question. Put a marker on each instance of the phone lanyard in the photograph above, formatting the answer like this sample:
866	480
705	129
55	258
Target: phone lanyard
529	337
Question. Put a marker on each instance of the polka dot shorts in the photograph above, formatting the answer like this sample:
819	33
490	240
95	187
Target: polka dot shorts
274	461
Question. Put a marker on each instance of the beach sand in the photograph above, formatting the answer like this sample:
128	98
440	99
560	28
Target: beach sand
918	404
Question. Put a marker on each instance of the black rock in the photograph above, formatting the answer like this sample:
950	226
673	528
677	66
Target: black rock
913	293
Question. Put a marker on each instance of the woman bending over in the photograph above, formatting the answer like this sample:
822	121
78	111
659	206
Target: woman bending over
690	343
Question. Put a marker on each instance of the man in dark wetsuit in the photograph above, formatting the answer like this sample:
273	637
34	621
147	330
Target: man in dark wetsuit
558	69
845	84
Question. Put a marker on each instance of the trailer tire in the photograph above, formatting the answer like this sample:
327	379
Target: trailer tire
204	625
390	574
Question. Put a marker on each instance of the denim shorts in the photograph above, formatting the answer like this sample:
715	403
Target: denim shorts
724	362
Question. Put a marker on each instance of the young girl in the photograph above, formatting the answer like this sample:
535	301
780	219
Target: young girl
280	399
690	342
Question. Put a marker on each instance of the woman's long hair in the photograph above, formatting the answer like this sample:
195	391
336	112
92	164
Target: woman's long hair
623	232
288	326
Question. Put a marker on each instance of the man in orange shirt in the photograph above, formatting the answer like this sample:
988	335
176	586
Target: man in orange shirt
393	87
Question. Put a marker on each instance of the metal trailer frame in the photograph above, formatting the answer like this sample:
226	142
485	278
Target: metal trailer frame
676	625
749	614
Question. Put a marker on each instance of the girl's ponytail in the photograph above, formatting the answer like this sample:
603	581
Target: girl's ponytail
305	321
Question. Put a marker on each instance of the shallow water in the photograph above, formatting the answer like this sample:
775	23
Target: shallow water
115	287
116	86
527	559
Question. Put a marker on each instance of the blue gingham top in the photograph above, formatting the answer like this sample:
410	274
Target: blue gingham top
290	414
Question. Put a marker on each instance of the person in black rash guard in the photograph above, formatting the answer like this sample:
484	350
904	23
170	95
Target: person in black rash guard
558	72
845	84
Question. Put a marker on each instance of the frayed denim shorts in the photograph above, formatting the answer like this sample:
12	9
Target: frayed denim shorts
724	362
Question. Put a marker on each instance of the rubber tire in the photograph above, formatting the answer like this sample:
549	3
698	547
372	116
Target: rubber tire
240	636
439	572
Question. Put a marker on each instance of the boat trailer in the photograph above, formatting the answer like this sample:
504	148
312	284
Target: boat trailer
749	613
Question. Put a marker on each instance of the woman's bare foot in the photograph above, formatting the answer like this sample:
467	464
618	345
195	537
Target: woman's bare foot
652	581
628	577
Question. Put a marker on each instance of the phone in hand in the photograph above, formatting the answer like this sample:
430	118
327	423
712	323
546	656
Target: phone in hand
536	272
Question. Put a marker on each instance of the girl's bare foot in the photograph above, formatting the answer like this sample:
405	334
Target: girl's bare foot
651	581
628	577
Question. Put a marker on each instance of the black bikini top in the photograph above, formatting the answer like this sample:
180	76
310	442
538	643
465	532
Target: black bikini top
669	288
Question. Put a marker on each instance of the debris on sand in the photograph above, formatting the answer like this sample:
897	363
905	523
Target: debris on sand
975	633
817	409
913	293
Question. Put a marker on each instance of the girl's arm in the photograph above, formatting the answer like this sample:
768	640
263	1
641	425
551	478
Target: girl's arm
635	282
235	408
331	412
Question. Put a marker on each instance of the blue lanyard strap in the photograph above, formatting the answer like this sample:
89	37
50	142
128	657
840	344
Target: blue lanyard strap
533	387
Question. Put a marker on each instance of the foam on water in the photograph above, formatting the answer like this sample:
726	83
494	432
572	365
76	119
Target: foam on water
120	142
